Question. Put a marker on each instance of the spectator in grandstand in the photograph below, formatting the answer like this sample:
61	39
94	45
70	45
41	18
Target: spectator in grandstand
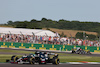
46	40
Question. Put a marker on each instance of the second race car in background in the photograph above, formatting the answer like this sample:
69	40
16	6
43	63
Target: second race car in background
79	50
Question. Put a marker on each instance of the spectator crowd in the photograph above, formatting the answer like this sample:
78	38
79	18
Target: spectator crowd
46	40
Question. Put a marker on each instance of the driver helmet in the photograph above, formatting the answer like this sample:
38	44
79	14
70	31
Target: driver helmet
56	55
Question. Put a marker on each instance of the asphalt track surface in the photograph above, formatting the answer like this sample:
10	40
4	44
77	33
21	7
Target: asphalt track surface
48	65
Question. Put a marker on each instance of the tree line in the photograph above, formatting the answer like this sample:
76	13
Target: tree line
85	36
61	24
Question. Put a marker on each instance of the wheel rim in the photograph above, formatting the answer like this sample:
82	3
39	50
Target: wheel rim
57	61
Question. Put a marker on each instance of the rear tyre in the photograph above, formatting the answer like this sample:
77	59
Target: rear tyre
73	51
31	60
14	58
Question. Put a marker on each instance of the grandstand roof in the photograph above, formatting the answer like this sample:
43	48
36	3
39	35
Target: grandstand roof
38	32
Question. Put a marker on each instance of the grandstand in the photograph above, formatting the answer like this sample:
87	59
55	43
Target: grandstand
39	36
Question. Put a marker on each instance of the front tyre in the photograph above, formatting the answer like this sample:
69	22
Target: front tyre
88	52
56	61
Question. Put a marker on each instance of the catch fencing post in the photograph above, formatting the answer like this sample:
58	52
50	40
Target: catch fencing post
60	48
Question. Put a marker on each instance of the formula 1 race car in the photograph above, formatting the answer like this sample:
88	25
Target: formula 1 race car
38	57
79	50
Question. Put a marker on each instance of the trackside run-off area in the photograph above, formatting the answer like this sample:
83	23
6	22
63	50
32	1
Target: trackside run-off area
64	57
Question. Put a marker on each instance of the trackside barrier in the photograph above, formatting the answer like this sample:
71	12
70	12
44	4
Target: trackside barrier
46	46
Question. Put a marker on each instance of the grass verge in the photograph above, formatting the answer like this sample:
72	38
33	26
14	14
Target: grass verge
15	51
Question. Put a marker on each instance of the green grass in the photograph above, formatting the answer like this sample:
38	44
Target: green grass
79	58
15	51
62	56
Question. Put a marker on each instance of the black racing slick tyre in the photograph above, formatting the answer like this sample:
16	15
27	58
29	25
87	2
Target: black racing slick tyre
88	52
31	60
56	61
73	51
14	58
